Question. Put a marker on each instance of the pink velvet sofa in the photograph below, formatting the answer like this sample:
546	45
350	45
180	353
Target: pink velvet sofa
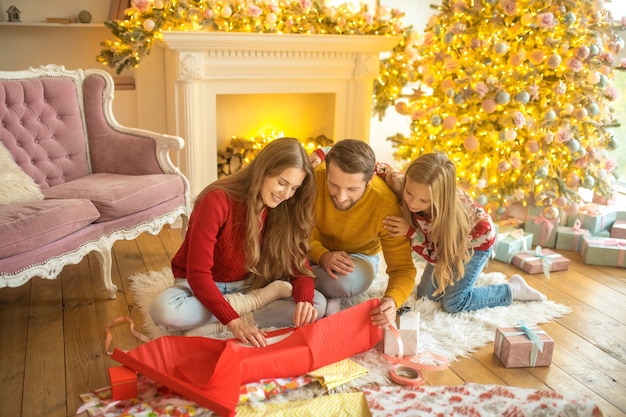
100	182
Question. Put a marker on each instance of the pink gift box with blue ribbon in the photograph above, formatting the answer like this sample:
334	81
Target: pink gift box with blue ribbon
604	251
523	346
540	260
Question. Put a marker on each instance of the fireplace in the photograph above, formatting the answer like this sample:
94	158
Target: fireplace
225	84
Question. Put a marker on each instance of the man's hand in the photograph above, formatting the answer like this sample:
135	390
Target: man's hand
396	226
338	262
305	313
385	314
247	333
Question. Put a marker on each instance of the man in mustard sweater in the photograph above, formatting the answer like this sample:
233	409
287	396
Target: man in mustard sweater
350	206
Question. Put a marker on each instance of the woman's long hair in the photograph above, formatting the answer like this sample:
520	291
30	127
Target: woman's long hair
284	248
450	224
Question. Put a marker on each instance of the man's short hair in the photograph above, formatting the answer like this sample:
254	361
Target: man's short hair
353	156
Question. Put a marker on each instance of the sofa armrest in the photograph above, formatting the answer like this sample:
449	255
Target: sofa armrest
118	149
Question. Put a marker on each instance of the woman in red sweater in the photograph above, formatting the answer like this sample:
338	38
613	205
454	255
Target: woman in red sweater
248	234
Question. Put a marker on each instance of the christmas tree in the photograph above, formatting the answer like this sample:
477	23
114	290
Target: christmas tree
518	94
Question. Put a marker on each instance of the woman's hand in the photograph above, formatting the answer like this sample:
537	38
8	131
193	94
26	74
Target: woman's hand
305	314
396	226
247	333
385	314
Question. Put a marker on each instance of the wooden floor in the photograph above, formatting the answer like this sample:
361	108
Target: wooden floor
53	333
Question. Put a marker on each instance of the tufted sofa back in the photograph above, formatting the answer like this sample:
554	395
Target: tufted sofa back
41	124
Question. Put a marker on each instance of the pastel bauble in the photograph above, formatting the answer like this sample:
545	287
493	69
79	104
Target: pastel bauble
470	143
560	201
588	181
226	12
541	172
612	144
593	109
572	180
532	146
573	145
550	213
554	61
449	122
500	48
503	98
536	56
436	120
580	113
482	200
510	134
401	107
549	115
489	105
593	77
522	97
148	25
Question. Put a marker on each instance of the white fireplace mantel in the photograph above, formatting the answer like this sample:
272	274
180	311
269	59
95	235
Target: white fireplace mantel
203	65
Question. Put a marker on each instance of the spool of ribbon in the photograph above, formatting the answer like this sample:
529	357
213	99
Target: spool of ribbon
407	370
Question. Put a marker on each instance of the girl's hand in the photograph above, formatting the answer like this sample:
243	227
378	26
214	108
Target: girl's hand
314	159
305	314
396	226
247	333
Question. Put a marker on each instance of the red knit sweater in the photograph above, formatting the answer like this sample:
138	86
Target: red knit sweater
212	252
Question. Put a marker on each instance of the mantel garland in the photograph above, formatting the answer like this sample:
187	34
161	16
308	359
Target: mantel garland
146	20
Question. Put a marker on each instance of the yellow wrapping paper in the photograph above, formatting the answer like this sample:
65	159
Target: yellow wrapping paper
352	404
338	373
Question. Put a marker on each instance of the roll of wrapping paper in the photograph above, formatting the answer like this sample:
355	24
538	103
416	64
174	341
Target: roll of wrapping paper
407	370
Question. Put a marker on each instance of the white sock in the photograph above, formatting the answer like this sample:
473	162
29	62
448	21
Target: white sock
333	306
520	290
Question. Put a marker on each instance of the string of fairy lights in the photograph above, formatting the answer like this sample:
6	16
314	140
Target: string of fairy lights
516	92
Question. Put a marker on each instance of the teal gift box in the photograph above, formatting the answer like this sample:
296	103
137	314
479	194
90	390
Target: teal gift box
603	251
570	238
543	230
509	241
594	217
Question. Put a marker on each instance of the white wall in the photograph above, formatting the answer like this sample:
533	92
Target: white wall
39	10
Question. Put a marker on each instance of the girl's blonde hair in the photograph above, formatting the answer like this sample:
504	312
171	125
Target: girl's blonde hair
284	248
450	225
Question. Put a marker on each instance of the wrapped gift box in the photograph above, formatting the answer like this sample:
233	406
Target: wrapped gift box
594	217
123	383
603	251
606	200
510	241
409	330
602	233
570	238
618	230
540	260
523	346
543	230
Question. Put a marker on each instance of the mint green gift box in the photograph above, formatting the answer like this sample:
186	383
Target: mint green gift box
509	242
604	251
570	238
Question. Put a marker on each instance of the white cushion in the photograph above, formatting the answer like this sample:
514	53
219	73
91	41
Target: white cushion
15	185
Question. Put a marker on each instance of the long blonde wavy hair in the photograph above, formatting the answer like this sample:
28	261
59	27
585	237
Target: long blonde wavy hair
450	225
284	248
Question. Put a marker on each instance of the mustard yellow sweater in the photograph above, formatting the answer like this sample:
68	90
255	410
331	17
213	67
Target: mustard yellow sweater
360	230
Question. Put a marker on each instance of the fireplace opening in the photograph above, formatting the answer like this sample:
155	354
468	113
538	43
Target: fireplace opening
253	115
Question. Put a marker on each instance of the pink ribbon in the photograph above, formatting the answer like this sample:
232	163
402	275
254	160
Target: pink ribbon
576	226
546	228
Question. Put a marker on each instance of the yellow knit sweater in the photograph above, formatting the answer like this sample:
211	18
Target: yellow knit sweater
360	230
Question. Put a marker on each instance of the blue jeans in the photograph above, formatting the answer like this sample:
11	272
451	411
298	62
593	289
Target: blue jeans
463	295
351	284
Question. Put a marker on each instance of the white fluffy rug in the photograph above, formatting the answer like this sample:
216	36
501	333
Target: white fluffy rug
451	335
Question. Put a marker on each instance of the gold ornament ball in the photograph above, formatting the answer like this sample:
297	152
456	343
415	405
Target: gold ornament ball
550	212
84	16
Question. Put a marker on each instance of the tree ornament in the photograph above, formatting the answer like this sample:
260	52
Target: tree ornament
549	211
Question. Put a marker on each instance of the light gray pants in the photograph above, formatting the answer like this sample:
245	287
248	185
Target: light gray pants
176	308
352	284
